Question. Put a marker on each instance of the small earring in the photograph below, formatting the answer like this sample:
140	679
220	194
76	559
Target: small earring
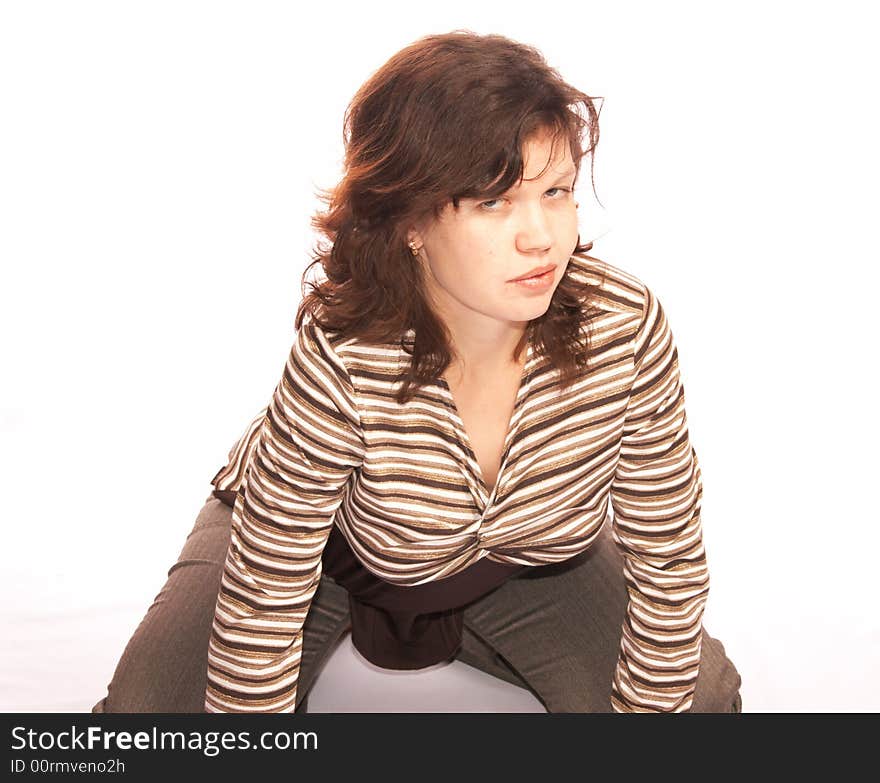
576	205
413	249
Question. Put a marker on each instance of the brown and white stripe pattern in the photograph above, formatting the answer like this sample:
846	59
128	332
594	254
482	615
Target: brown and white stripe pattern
404	487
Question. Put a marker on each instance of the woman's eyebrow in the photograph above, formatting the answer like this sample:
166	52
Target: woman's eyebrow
562	175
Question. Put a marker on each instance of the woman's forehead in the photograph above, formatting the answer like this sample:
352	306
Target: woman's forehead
543	154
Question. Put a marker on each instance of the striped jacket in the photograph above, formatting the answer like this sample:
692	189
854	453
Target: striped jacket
403	486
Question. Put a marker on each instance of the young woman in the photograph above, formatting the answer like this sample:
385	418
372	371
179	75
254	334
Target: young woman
467	393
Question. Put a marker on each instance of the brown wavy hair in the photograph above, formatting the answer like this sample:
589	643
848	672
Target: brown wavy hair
445	118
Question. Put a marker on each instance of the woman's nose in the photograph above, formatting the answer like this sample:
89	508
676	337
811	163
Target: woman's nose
535	230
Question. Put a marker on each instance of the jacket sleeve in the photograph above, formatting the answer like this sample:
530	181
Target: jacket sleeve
656	496
229	478
308	444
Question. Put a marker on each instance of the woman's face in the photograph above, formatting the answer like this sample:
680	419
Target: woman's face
470	256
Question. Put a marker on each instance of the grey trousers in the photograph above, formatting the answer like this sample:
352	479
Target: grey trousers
556	635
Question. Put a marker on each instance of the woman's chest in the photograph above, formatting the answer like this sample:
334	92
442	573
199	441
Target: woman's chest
485	411
460	453
520	471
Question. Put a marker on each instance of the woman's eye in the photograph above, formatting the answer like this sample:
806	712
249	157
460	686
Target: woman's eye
487	205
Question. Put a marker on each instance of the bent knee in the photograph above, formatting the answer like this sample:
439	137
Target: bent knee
208	541
718	681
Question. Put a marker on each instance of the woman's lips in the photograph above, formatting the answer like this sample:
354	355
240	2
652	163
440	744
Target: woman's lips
536	283
538	271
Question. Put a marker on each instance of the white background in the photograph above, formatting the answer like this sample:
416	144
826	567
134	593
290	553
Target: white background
158	168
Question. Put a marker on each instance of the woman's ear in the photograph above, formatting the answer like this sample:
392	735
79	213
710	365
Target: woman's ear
414	241
414	235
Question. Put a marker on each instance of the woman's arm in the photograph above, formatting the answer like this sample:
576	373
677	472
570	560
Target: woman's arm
656	496
309	444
